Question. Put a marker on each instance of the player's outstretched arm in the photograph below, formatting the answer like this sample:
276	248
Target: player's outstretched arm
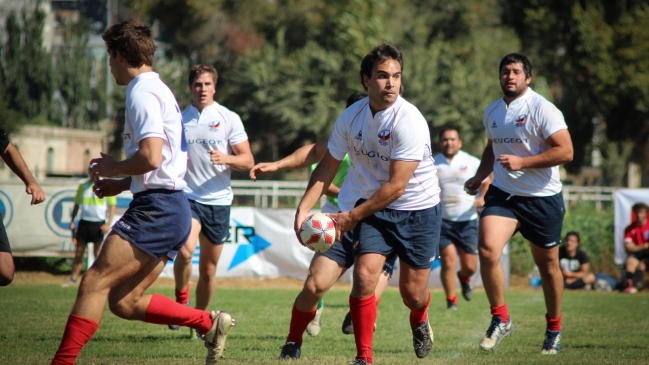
15	161
560	152
241	160
302	157
320	179
484	170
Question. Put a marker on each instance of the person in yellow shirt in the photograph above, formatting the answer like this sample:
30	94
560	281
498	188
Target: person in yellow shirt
93	224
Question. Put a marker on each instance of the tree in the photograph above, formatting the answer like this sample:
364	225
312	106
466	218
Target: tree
25	66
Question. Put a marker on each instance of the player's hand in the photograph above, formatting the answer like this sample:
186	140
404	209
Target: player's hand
511	162
105	166
107	187
344	222
38	195
472	185
72	226
105	228
218	157
297	225
263	168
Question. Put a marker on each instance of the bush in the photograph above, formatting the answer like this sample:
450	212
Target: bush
596	230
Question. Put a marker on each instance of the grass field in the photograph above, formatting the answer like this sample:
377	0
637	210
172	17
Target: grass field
598	328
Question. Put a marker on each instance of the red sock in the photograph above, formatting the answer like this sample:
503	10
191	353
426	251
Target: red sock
299	322
163	310
501	311
554	324
462	278
182	296
452	298
78	332
418	315
363	311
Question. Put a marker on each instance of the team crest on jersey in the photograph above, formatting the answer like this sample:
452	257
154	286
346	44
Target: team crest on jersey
463	168
384	137
520	121
359	136
214	126
493	125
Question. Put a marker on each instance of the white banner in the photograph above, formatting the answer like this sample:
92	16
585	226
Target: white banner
624	200
262	242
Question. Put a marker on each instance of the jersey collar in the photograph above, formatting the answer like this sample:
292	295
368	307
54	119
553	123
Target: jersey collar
519	101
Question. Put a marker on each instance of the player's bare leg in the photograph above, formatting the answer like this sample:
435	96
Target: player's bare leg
413	286
183	261
493	234
7	268
468	263
547	261
323	274
449	261
96	249
77	263
209	258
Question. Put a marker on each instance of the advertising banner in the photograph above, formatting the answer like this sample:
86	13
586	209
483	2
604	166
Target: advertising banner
261	244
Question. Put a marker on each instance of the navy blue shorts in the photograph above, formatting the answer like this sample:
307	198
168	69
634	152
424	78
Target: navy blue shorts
463	234
540	218
412	235
157	221
4	240
214	220
88	231
343	254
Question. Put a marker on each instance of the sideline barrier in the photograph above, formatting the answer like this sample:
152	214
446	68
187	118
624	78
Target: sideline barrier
262	242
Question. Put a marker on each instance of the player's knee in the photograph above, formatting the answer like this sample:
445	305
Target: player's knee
488	255
184	256
6	277
314	287
121	306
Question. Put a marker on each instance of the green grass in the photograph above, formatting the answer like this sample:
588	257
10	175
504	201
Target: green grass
598	328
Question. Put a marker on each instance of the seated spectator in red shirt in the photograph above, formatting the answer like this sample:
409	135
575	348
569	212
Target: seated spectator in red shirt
636	245
574	264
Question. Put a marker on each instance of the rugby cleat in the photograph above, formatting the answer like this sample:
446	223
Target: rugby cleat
216	336
290	350
467	289
360	362
552	343
348	328
496	332
450	305
422	339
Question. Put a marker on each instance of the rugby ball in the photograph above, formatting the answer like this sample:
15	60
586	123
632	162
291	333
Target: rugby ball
318	232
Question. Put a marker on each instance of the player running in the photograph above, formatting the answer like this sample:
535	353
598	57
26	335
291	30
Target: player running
393	180
527	141
339	257
459	214
216	144
158	220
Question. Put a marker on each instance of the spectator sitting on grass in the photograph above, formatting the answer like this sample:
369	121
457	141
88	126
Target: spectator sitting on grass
636	245
574	264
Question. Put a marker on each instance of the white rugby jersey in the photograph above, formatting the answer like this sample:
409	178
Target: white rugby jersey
152	112
457	205
215	128
400	133
521	129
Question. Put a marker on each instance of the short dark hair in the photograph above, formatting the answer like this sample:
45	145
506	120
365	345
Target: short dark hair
638	207
574	234
448	127
198	70
134	40
517	58
353	98
382	53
